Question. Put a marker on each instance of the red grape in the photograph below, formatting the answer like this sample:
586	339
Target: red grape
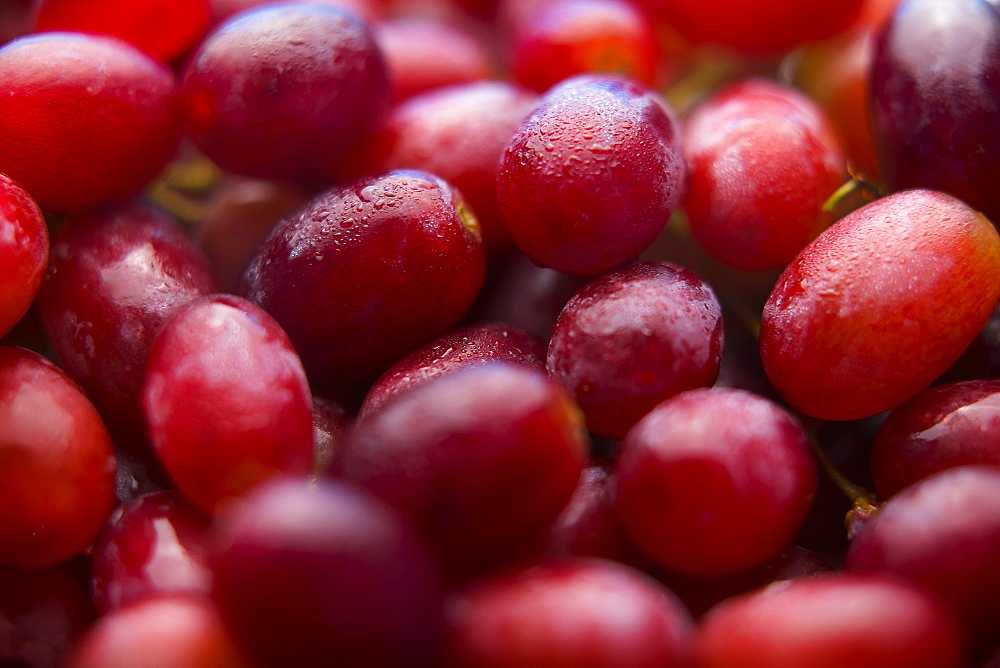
714	481
762	161
942	427
114	278
572	613
830	621
942	532
482	459
226	399
165	29
152	545
306	575
24	252
284	90
880	304
57	462
168	632
87	119
367	272
592	175
934	110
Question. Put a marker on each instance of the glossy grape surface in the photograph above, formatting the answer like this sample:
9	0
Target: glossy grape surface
592	175
942	427
114	278
762	161
282	91
73	143
714	481
935	110
481	459
632	338
367	272
458	349
226	399
57	462
151	546
880	304
24	252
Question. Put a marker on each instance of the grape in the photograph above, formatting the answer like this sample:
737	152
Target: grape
367	272
42	613
152	545
24	252
308	574
592	175
764	26
114	278
762	161
57	462
632	338
226	399
934	110
570	613
941	427
714	481
423	53
458	133
330	424
879	305
459	349
165	29
168	632
942	532
830	621
283	91
72	143
482	459
563	38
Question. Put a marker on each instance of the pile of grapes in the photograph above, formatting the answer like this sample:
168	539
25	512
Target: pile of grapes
528	333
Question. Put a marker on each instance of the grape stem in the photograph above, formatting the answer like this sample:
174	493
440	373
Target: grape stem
864	502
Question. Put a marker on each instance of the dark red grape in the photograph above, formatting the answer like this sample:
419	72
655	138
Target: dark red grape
24	252
226	399
57	463
880	304
831	621
367	272
762	161
306	575
942	532
942	427
592	175
572	613
458	349
165	29
934	111
632	338
482	459
714	481
42	613
86	119
114	278
284	90
152	545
